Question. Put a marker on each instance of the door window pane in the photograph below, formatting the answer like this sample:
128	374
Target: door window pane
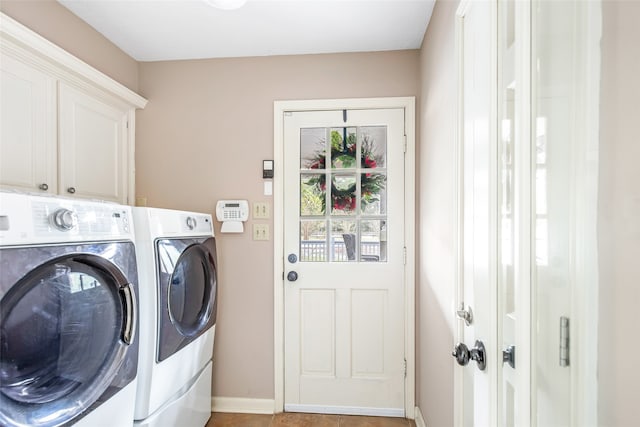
343	240
313	145
343	148
313	240
373	193
355	187
312	194
373	240
373	142
343	194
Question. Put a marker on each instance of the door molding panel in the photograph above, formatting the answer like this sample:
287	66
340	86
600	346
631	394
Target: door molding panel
280	109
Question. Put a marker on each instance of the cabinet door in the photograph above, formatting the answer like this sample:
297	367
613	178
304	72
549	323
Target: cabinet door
92	147
28	133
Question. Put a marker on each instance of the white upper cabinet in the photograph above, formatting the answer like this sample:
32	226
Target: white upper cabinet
67	128
92	146
28	129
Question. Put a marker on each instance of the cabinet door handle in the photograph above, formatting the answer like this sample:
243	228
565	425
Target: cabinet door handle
71	190
43	186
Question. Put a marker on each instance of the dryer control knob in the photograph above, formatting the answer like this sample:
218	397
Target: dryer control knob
64	219
191	222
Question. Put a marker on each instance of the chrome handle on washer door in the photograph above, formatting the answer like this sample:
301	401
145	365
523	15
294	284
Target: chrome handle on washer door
129	314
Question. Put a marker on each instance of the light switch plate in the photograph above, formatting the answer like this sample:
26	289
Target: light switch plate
260	231
261	210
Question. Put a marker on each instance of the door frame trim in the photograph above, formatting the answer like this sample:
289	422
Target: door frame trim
279	110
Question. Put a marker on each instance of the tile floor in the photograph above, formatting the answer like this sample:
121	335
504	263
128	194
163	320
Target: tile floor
219	419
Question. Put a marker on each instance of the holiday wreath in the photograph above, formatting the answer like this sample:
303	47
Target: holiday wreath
343	155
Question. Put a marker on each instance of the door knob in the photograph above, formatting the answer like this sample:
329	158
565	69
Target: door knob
292	276
461	353
71	190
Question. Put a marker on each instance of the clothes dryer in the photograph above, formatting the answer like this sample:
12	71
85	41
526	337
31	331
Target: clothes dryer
178	287
68	308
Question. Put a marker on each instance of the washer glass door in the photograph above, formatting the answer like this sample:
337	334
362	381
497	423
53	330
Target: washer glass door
188	288
64	330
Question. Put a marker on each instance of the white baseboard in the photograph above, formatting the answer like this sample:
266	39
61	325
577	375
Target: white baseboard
419	418
345	410
242	405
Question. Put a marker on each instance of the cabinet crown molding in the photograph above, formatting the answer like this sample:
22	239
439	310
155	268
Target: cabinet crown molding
15	36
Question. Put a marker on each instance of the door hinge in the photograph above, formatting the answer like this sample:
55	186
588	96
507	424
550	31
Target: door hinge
405	368
404	145
404	256
565	359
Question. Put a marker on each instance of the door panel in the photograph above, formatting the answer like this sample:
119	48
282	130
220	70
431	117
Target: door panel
477	287
344	260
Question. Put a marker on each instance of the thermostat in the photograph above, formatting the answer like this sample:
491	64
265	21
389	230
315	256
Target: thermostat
267	169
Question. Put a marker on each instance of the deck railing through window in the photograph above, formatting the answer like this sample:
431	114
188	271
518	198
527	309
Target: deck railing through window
314	250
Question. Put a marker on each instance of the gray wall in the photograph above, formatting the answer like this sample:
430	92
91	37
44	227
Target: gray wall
436	223
619	216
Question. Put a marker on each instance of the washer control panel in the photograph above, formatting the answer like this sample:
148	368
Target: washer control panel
51	219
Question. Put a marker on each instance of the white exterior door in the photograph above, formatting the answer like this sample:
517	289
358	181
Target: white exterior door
344	257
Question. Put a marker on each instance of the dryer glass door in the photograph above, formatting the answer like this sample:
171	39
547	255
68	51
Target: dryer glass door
187	288
64	327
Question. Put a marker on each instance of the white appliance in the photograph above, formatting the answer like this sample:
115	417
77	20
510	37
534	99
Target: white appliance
177	267
68	309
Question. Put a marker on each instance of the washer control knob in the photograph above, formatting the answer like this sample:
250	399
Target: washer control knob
65	219
191	222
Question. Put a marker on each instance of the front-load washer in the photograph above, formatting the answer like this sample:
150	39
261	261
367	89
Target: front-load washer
177	267
68	309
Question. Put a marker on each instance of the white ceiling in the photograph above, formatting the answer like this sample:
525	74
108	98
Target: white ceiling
159	30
